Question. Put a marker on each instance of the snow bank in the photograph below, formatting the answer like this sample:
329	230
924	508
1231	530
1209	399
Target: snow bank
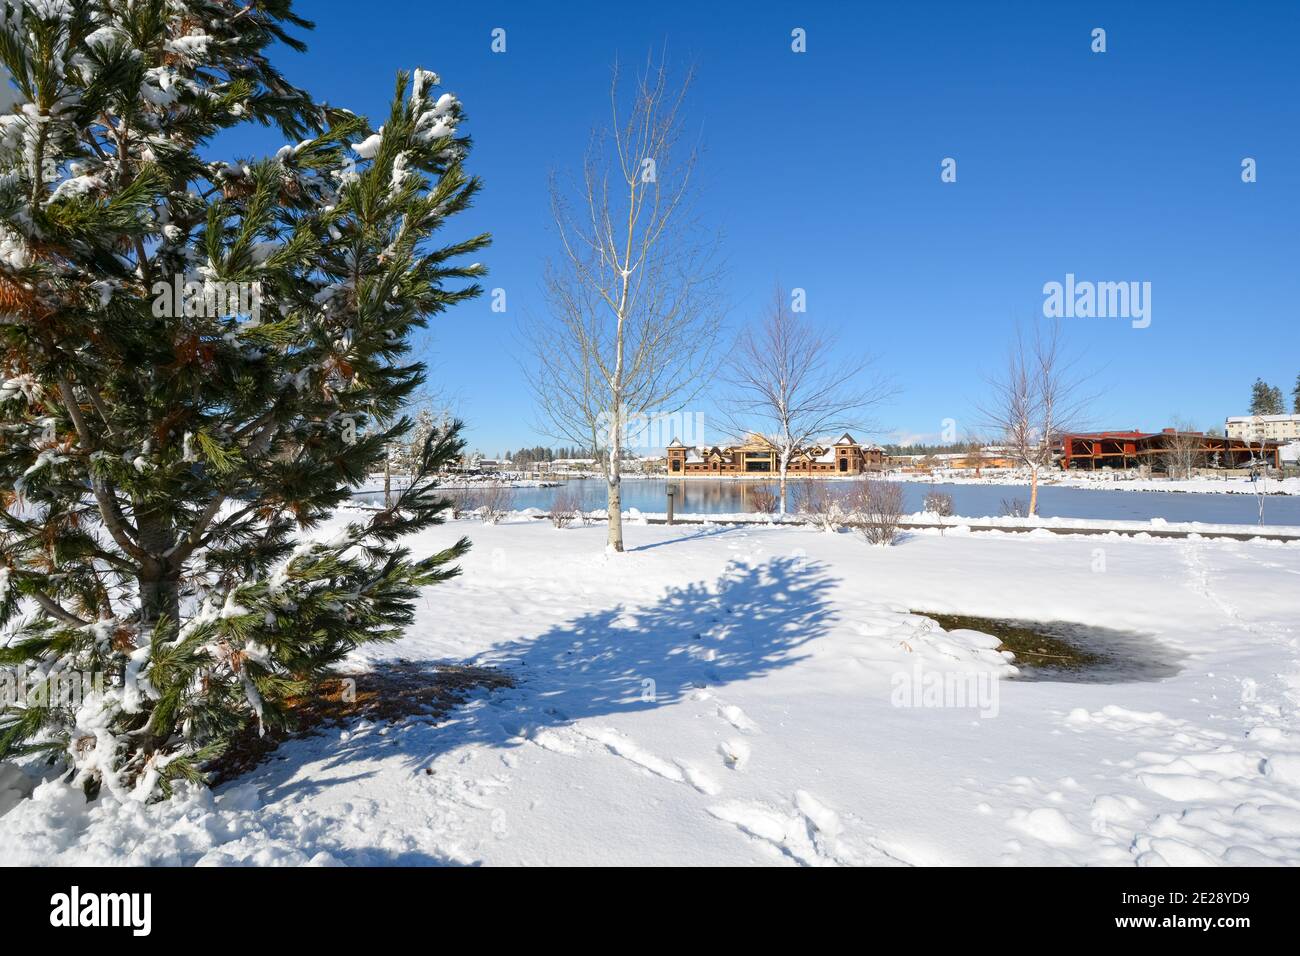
1111	481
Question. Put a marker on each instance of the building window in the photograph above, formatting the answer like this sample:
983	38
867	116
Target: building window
844	464
677	464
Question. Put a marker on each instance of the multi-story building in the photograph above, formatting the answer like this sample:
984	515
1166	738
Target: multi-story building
1283	428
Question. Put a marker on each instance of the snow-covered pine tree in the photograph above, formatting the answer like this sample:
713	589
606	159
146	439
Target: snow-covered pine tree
198	358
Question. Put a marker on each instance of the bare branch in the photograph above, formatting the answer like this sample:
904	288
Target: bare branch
633	297
792	385
1035	401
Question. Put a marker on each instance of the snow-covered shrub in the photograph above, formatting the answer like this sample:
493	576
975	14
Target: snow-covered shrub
1014	508
460	502
493	500
821	504
937	503
566	508
877	508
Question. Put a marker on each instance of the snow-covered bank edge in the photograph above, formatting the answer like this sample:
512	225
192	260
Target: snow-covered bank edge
1208	486
925	521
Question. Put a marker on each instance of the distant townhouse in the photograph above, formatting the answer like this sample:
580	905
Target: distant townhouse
756	458
1283	428
560	465
992	457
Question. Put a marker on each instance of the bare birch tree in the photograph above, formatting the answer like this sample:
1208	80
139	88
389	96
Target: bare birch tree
975	456
792	385
1035	402
633	298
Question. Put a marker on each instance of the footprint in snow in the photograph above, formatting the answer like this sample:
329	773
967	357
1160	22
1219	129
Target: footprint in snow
737	718
808	832
626	748
735	753
699	780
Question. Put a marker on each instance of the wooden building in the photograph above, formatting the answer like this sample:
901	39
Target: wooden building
758	458
1092	450
993	457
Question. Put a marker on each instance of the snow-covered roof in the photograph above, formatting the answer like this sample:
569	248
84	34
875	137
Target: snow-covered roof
1264	418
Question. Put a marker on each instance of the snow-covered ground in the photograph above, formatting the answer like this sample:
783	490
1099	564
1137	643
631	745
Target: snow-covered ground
736	695
1203	485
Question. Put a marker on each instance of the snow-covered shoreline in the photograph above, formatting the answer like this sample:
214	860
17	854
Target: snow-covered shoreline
729	695
1109	482
957	524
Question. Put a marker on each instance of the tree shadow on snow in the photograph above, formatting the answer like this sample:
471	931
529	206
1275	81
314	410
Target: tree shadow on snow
751	621
708	532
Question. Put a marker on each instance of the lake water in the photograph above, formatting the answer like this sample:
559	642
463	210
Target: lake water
709	496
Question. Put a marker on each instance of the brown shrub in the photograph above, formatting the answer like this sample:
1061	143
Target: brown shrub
566	508
493	500
763	500
877	509
938	503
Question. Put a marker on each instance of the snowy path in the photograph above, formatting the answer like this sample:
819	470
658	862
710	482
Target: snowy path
726	696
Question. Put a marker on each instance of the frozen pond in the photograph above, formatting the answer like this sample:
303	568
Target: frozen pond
710	496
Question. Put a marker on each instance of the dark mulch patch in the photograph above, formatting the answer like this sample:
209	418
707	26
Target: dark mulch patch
1034	644
393	692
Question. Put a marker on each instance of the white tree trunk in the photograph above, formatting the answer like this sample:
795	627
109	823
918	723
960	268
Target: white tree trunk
615	498
785	470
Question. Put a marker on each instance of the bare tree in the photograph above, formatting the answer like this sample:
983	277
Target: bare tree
1035	402
633	298
975	456
791	386
1183	451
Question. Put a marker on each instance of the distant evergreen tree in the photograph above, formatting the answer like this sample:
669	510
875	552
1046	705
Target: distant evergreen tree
163	443
1295	396
1265	399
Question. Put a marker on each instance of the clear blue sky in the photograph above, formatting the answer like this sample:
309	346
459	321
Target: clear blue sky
822	171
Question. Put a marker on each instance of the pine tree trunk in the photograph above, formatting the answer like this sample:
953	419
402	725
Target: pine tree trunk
159	582
159	598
